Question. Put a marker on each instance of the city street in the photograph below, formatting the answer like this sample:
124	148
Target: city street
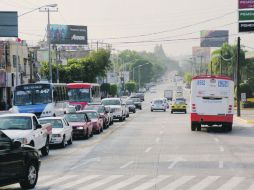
153	150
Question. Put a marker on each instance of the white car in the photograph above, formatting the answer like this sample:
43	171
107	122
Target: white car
158	104
61	130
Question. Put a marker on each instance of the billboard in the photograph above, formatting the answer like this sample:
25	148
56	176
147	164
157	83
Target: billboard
213	38
68	34
8	24
246	26
203	52
246	4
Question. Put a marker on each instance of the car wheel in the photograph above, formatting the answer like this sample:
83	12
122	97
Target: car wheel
128	115
91	134
31	177
193	126
164	110
140	108
151	110
198	127
70	141
45	149
63	143
86	135
172	112
134	111
121	119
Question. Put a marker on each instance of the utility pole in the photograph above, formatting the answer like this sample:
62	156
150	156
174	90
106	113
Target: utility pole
238	76
139	78
220	62
17	62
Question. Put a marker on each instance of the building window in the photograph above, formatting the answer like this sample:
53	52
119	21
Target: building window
14	59
25	61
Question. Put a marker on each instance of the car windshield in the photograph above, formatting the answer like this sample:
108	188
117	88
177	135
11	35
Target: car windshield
56	123
129	102
79	95
15	123
98	108
77	117
179	101
136	99
92	115
32	94
158	102
111	102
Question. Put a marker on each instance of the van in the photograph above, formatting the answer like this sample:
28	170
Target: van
212	102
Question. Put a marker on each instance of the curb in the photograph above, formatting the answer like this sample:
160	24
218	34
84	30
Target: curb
244	120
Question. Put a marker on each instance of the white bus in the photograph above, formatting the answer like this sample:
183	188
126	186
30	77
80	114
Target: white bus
43	99
212	102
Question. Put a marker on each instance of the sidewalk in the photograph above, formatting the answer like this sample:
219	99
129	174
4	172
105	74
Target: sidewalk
247	115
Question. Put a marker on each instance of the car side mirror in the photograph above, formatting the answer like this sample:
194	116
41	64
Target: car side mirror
16	144
38	126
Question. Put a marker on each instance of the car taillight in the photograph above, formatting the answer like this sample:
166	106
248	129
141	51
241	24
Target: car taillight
193	107
230	107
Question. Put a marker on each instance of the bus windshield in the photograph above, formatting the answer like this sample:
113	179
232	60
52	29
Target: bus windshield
79	95
32	94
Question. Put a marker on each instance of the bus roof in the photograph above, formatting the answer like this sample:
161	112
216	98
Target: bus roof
212	77
81	85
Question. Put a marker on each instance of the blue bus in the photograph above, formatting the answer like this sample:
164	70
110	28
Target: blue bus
43	99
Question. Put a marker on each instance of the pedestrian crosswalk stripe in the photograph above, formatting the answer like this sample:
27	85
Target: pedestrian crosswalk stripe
179	182
232	183
77	182
55	181
151	183
204	183
101	182
125	183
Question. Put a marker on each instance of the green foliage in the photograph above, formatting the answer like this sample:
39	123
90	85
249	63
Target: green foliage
245	88
188	78
105	89
113	90
130	86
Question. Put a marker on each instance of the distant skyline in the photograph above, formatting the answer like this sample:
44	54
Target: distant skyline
171	23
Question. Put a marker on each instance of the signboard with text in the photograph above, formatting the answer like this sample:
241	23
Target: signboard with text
246	4
246	15
246	27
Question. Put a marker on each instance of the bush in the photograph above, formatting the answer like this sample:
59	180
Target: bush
113	89
247	104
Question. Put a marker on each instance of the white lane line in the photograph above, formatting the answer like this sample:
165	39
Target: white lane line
177	183
126	165
148	149
216	139
222	149
57	180
204	183
151	183
125	183
232	183
175	161
221	164
251	187
100	182
79	181
161	132
158	139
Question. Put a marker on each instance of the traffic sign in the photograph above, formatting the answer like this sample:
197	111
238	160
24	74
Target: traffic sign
246	27
246	4
246	15
243	97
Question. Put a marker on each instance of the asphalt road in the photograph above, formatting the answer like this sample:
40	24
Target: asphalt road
153	150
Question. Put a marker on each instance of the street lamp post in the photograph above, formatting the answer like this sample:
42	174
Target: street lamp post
139	74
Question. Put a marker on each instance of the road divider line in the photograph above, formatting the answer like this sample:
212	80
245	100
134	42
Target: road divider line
222	149
151	183
221	164
174	162
204	183
148	149
161	132
216	140
177	183
126	165
231	184
158	139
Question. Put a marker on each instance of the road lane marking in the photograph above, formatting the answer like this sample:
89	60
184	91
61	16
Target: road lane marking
74	183
221	164
125	183
100	182
216	139
161	132
177	183
57	180
222	149
148	149
151	183
232	183
126	165
86	162
174	162
204	183
251	187
158	139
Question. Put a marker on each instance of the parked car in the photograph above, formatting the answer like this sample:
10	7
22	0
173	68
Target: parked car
117	107
130	104
158	104
103	113
61	130
141	96
19	164
25	127
81	125
179	105
126	110
137	102
97	121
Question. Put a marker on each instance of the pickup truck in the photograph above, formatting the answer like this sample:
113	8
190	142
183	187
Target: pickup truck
25	127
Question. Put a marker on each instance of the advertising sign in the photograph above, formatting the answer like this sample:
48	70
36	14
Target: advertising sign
213	38
8	24
246	4
246	26
68	34
246	15
203	52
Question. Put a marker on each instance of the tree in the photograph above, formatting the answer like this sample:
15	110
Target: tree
245	88
188	78
105	89
130	86
113	90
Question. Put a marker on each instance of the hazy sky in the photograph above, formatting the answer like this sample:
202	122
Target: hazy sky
107	19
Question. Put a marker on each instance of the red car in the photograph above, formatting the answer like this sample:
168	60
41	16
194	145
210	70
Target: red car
97	121
81	124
